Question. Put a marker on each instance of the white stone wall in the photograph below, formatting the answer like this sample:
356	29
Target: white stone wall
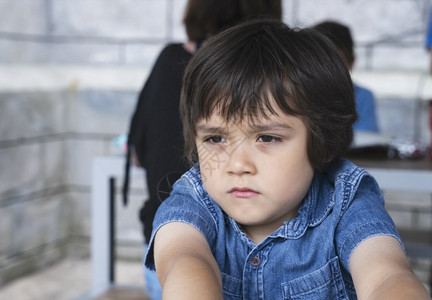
70	71
389	34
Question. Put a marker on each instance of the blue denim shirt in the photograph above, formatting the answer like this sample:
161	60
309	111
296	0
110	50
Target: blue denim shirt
307	257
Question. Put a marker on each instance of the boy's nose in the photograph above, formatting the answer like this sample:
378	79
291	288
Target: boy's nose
241	161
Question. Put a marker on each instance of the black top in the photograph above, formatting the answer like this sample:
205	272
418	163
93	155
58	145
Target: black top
156	131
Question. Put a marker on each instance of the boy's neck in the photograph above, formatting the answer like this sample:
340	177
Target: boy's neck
257	233
256	237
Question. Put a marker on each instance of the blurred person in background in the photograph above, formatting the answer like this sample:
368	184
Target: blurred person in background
429	39
341	37
155	138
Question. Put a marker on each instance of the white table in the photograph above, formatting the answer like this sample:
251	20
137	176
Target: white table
400	175
391	175
103	169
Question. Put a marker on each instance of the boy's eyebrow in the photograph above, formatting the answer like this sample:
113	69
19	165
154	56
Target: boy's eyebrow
209	129
206	129
271	126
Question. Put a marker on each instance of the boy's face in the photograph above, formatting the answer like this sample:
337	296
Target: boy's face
258	174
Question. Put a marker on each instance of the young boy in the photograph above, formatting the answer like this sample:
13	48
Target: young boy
270	211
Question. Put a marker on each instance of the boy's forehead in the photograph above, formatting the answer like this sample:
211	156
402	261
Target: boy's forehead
217	122
245	113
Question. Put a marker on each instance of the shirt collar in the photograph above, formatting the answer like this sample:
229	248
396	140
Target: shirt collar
320	199
318	202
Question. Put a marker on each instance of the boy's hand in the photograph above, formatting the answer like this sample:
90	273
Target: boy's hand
381	271
185	264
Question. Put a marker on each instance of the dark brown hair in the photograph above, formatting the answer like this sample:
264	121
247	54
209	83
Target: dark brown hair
254	9
243	70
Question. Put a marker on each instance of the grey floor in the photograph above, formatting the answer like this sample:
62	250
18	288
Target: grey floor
69	279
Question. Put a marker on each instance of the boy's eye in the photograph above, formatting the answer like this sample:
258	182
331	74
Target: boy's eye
268	139
215	139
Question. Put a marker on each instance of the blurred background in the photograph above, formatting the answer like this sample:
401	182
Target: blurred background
70	73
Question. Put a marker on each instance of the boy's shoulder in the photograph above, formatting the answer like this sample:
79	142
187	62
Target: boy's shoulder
191	185
350	180
192	179
346	171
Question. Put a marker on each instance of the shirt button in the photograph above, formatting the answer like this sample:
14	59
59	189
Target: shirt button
255	261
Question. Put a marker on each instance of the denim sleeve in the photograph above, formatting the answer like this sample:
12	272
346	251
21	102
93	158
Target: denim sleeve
183	205
364	217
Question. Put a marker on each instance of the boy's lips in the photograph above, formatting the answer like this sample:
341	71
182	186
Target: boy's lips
243	192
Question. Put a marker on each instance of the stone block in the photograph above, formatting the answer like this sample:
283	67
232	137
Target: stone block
373	24
393	57
23	16
410	210
78	246
178	29
142	54
42	174
424	220
82	53
396	117
64	82
31	114
23	51
20	170
53	161
102	111
110	19
6	230
78	164
377	21
68	51
418	201
402	219
28	262
38	222
368	20
80	214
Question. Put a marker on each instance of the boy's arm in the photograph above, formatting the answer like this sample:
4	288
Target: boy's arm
381	271
185	264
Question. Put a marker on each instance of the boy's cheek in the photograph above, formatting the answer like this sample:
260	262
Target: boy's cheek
210	164
211	160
